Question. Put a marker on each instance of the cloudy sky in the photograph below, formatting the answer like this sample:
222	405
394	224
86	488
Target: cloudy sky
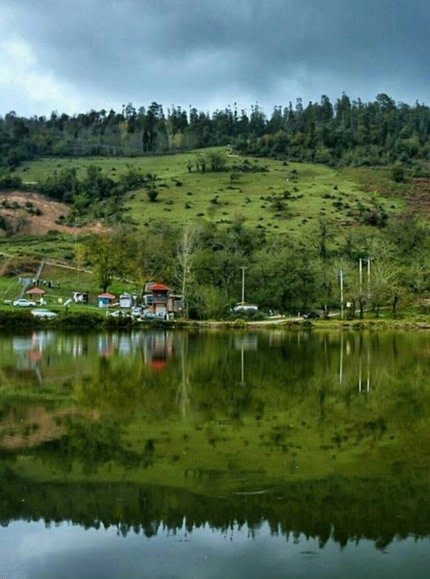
77	55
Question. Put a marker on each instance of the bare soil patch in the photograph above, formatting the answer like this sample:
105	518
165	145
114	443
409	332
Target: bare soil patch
31	214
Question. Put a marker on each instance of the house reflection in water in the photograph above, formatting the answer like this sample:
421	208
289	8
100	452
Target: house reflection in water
155	347
158	349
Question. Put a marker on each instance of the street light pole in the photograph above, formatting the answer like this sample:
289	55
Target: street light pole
360	275
243	284
368	278
341	293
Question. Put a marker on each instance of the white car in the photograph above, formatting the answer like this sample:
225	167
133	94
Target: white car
118	314
45	314
24	303
148	315
243	307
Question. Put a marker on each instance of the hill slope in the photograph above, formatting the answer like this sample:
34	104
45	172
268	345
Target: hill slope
271	195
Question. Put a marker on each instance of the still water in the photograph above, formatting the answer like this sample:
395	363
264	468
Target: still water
177	454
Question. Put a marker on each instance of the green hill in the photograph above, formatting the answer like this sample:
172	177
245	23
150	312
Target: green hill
272	195
292	224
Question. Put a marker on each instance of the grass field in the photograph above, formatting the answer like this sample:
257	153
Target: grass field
307	192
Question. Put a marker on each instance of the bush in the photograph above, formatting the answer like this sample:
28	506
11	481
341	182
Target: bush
18	319
9	181
80	320
152	195
398	173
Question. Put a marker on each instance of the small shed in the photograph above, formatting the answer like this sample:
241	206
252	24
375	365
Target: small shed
126	300
105	300
36	293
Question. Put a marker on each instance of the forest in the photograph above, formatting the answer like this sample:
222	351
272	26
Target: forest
347	132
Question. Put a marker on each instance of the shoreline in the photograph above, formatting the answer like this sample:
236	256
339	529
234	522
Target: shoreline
93	320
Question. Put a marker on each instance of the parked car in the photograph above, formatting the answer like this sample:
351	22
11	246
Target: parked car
43	313
148	315
80	297
311	316
24	303
136	311
244	307
118	314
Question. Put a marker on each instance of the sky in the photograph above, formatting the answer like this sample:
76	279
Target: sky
76	55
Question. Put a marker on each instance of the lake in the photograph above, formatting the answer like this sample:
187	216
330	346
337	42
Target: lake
173	454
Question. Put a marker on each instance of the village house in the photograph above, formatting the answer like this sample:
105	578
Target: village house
105	300
126	300
161	301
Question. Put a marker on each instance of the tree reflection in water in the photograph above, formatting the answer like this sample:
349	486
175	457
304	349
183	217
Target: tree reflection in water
322	434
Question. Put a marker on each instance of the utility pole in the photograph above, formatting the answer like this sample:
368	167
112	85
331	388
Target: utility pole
368	278
341	293
360	275
242	365
243	283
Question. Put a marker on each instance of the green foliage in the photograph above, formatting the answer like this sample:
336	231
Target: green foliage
10	181
373	216
80	320
289	223
269	409
67	186
344	133
277	203
110	256
208	302
18	319
216	160
152	194
409	236
398	173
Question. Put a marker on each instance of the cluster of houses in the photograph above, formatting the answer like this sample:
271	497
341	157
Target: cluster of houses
158	300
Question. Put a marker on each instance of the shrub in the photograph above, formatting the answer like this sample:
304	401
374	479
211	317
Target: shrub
152	195
398	173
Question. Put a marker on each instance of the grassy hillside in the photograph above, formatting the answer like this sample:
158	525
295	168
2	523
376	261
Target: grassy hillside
274	198
284	199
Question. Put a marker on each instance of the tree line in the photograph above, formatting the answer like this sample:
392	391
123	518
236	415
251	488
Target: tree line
347	132
154	510
205	265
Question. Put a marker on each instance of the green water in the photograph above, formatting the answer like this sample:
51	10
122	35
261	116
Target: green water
168	454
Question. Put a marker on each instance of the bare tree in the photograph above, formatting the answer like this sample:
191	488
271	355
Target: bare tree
184	252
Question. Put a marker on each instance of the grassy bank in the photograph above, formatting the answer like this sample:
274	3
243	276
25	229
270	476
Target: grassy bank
89	318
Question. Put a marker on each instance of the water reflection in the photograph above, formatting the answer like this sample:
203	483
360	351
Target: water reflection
363	361
322	434
69	551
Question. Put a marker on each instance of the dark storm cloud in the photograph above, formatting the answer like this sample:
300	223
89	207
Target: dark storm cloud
211	53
